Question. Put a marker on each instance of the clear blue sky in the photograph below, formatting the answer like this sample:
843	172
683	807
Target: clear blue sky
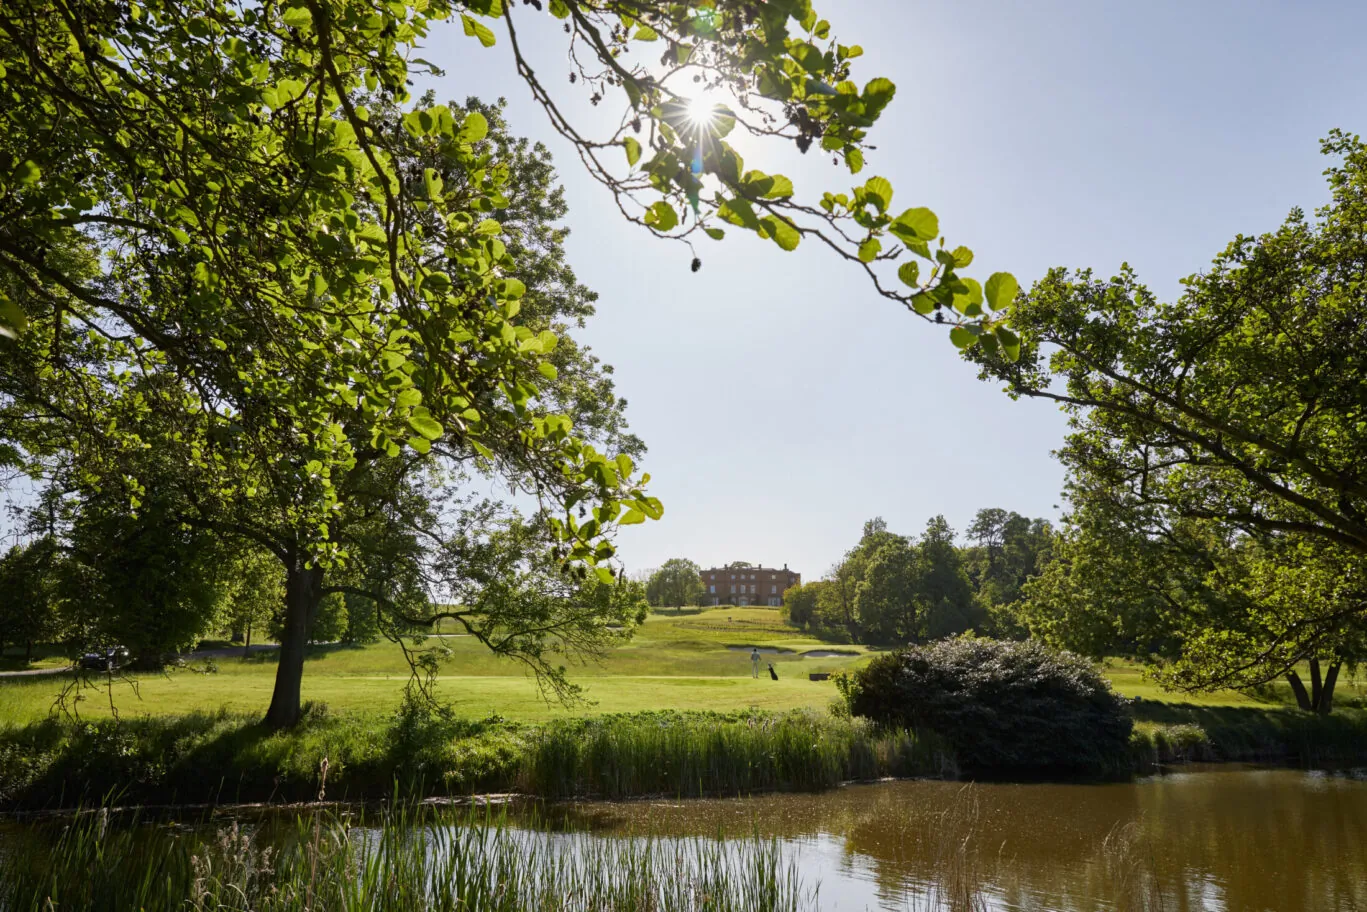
1077	133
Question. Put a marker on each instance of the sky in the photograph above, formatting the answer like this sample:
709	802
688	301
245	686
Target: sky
783	402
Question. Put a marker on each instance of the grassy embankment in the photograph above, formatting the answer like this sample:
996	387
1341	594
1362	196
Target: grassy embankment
191	736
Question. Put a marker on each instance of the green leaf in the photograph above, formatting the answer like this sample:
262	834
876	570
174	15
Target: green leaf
779	188
740	213
661	216
475	128
961	336
910	274
715	234
432	183
969	301
422	421
645	33
548	370
27	173
922	303
477	29
919	224
633	150
13	320
809	56
879	191
1011	343
632	517
421	444
854	159
1002	289
869	249
297	17
560	9
877	94
783	232
962	257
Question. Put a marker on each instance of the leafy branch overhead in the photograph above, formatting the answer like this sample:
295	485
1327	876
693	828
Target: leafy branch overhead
777	73
248	280
334	303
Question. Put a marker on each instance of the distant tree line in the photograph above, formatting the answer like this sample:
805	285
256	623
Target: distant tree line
892	589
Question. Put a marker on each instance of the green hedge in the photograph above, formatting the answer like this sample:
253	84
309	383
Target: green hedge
1004	707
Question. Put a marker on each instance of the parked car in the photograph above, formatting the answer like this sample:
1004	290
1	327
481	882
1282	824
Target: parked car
104	659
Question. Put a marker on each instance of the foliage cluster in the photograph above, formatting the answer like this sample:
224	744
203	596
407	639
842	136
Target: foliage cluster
1217	460
892	589
1004	707
677	583
253	288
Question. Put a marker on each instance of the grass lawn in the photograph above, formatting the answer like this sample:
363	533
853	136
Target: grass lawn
676	661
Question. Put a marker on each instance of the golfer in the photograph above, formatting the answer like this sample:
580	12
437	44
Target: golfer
754	662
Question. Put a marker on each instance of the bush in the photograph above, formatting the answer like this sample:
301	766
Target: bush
1002	706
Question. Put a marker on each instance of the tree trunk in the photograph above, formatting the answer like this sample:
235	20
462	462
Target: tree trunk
1316	685
1298	688
1326	701
302	585
247	641
28	652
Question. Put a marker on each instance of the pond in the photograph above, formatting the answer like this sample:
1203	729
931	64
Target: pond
1235	840
1227	839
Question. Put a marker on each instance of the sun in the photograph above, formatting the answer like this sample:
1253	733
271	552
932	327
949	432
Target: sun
702	111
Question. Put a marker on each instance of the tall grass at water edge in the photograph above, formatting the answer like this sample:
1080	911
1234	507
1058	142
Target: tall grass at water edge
695	755
442	858
218	758
1178	733
437	861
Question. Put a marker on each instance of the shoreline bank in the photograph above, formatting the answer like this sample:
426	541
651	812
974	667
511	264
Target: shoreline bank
217	760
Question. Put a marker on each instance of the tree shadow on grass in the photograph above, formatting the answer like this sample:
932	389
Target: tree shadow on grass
315	652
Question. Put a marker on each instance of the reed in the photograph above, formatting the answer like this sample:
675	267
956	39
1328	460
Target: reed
690	755
412	859
227	759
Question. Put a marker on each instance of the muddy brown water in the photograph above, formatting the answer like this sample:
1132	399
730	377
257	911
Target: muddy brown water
1218	839
1235	840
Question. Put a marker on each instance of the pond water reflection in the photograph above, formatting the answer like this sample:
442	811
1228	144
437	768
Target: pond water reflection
1235	840
1220	840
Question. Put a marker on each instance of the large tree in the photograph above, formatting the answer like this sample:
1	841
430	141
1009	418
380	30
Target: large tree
1007	550
228	237
1218	442
29	600
678	582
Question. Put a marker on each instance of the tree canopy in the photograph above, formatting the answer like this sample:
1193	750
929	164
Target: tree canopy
1218	453
892	589
678	582
247	275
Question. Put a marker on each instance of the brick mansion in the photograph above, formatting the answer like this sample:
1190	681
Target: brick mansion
744	584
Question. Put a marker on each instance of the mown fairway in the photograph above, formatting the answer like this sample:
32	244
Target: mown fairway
674	662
